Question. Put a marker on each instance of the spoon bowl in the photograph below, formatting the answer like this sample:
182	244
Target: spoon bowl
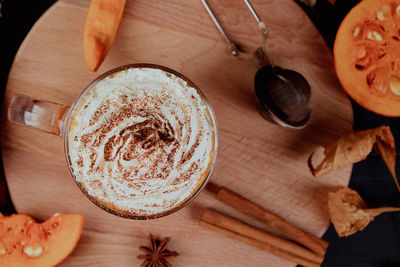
284	96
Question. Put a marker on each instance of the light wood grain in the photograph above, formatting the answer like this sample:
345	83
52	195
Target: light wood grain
260	160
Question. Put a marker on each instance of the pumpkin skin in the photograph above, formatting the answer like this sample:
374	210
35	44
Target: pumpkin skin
367	55
23	242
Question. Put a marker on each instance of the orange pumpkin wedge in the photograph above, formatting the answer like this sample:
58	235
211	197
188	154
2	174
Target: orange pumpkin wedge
367	55
23	242
101	26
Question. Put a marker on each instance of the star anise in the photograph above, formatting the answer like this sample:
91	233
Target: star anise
156	254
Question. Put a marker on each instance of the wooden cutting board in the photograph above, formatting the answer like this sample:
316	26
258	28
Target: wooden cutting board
258	159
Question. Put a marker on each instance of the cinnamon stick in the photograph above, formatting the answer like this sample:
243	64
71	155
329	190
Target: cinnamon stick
274	221
270	242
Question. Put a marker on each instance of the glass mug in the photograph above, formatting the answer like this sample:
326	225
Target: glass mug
57	119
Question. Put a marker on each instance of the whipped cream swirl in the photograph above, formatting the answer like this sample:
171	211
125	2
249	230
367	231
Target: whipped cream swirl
141	141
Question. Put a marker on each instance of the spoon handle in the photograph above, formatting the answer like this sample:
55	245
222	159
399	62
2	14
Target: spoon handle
252	11
265	29
232	46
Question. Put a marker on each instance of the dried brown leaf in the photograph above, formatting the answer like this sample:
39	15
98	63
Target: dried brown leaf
355	147
349	213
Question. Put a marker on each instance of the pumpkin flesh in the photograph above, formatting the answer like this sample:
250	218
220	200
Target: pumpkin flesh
367	55
23	242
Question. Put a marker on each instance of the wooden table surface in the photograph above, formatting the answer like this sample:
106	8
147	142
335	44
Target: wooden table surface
258	159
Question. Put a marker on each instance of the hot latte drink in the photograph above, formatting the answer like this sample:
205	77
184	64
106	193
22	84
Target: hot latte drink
141	141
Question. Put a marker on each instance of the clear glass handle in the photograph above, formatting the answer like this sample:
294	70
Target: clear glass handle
43	115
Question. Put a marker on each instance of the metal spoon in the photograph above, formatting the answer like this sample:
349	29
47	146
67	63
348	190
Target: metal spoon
283	96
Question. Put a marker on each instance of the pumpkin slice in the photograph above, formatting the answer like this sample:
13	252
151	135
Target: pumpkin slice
23	242
101	26
367	55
